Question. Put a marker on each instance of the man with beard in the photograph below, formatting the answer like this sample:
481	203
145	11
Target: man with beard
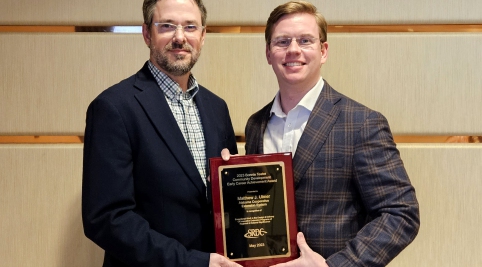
147	140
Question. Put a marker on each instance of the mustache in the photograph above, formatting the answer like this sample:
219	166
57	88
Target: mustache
174	45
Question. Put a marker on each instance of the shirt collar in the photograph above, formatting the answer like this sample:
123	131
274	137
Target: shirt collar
308	101
170	88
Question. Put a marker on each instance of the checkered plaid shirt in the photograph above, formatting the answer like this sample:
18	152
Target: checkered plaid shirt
186	114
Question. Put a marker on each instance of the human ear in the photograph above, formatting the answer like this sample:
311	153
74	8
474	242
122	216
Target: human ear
146	34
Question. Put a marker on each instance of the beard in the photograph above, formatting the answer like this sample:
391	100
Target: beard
182	64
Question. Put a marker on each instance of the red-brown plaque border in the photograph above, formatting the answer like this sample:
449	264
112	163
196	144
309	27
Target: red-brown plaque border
286	158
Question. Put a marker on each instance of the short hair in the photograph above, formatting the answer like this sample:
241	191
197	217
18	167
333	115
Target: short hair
150	5
294	7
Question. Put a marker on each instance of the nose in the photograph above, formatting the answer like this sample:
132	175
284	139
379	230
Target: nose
294	47
179	36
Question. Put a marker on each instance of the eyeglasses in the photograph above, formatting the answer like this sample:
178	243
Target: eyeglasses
303	42
163	27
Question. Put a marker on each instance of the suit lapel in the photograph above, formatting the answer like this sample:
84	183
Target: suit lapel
318	127
209	123
211	135
155	105
264	124
255	128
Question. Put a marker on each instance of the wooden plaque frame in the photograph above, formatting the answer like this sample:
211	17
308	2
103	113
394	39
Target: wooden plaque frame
254	209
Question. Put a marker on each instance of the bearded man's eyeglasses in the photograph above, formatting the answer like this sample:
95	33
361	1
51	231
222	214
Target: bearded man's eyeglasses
191	29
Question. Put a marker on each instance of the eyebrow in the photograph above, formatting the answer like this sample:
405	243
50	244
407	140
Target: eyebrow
187	22
301	35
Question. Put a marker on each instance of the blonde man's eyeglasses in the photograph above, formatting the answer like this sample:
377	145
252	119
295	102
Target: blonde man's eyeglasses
303	42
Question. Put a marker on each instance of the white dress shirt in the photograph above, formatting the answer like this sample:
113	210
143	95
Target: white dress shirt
284	130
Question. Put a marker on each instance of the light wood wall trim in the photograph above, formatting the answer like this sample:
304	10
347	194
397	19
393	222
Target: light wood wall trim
80	139
363	28
258	29
34	28
41	139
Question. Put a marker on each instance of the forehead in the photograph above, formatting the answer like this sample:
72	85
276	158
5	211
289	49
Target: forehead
177	11
295	25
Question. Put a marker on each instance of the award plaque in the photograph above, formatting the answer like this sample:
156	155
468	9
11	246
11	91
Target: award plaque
254	209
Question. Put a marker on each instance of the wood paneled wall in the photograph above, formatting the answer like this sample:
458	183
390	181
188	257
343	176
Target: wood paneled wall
447	180
242	12
417	62
40	196
425	83
41	223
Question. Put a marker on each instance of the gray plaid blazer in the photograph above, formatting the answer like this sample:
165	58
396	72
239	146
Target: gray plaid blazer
354	200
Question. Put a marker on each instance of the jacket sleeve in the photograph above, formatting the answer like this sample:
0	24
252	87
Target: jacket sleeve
108	202
387	195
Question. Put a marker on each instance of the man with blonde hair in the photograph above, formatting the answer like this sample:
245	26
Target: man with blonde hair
354	201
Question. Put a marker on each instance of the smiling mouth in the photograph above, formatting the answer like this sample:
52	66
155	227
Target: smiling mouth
293	64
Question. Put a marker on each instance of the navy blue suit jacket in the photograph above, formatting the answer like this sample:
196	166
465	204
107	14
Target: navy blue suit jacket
143	199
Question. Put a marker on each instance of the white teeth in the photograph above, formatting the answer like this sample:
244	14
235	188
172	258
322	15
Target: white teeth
292	64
